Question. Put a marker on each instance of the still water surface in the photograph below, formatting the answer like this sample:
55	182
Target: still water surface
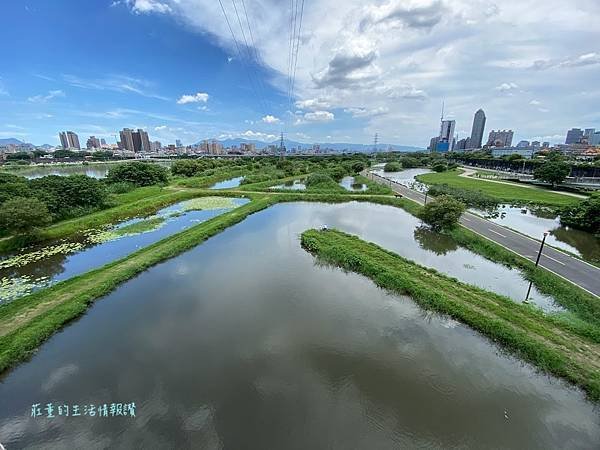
534	222
226	184
348	184
245	342
91	170
16	282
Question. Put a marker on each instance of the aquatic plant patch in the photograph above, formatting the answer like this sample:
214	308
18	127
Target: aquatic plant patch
208	203
23	259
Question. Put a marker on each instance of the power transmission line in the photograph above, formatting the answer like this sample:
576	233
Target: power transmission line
239	52
256	56
297	48
263	104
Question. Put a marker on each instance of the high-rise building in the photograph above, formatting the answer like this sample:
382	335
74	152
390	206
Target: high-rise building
574	136
145	140
523	144
127	139
178	143
155	146
447	130
546	144
68	139
93	142
102	142
588	132
536	144
594	139
478	129
500	138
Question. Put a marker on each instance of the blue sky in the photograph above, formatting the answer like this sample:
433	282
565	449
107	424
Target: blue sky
172	67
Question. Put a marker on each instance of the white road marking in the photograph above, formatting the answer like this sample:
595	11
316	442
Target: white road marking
489	229
467	219
555	260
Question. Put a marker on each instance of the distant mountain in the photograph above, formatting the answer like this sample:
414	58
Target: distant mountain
338	146
9	141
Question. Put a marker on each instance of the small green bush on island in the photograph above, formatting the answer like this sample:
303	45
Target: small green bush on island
319	180
442	213
392	167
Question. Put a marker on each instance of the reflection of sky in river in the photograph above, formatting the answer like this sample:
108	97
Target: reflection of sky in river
244	342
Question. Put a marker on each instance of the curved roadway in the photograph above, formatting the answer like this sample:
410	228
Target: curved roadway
572	269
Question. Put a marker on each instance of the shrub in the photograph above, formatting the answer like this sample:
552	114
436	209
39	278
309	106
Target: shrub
317	180
408	162
184	167
21	215
392	167
442	213
584	215
69	196
439	167
138	173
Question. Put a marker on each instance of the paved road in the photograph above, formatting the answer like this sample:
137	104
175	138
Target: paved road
572	269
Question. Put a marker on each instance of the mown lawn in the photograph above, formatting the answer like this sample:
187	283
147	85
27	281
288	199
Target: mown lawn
504	192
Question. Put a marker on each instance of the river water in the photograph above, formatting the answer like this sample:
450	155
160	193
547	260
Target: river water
17	281
226	184
245	342
96	170
532	222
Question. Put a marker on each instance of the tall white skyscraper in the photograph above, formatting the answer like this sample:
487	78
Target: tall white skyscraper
478	129
447	130
68	139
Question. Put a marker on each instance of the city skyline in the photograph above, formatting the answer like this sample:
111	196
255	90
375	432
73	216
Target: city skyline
177	74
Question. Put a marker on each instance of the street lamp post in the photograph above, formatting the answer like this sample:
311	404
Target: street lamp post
537	261
426	193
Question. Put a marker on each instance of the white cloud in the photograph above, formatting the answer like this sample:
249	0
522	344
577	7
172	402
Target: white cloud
506	87
365	112
47	97
535	102
270	119
266	137
149	6
319	116
313	103
160	128
194	98
390	52
117	83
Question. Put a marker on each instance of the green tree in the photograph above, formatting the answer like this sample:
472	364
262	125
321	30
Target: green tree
392	167
319	180
584	215
138	173
358	166
69	196
18	156
22	215
442	213
408	162
439	166
186	167
552	171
